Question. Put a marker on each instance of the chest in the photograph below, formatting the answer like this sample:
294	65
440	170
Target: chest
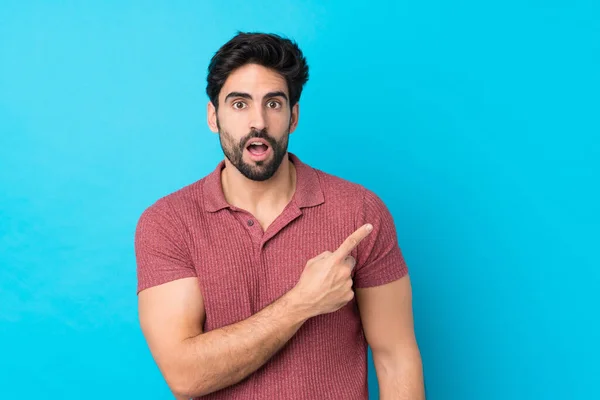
241	268
266	219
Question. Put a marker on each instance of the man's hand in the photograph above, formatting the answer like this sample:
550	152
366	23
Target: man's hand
325	284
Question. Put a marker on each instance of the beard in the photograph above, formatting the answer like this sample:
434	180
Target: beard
255	170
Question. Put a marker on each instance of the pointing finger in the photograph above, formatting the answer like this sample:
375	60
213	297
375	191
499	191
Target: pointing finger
352	241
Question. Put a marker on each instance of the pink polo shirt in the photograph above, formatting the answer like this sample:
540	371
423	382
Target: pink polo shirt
194	232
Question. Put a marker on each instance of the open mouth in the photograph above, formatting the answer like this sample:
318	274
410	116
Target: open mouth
257	147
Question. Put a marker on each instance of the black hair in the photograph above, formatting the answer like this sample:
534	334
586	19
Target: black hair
269	50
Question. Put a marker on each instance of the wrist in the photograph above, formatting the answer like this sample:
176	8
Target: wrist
296	307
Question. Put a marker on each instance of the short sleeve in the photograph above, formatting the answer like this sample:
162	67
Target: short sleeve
160	249
379	257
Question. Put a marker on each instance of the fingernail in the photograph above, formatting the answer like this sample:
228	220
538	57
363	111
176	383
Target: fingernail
369	227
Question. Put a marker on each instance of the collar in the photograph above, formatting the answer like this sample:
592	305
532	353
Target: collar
308	187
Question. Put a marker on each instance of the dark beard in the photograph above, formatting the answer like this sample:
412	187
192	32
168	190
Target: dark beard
258	170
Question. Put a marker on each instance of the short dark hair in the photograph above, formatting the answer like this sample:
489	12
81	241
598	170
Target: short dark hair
269	50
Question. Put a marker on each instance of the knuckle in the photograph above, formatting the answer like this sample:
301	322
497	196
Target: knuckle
346	273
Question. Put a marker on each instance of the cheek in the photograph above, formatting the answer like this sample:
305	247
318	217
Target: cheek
279	120
235	123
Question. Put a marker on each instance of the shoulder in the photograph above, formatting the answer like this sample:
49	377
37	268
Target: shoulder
341	191
355	201
176	206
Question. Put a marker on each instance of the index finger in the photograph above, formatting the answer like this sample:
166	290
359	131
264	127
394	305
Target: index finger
352	241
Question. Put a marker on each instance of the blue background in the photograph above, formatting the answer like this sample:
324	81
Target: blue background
476	122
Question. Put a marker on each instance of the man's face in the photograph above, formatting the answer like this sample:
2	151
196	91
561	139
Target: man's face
254	120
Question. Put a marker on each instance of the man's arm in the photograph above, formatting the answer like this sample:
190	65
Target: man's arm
387	318
195	364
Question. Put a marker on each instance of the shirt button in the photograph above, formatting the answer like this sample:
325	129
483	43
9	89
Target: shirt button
250	222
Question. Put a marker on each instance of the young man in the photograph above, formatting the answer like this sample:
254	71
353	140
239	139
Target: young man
267	278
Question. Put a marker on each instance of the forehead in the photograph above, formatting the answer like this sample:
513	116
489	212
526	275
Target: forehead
255	80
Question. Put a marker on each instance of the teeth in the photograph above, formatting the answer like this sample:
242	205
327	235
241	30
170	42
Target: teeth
257	143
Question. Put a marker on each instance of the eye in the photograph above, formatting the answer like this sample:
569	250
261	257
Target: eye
274	104
239	105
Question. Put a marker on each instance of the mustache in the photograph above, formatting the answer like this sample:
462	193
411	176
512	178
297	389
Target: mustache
254	134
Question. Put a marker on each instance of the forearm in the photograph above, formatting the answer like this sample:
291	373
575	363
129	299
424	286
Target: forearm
220	358
400	376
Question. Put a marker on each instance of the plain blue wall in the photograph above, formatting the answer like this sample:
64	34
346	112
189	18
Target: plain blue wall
476	122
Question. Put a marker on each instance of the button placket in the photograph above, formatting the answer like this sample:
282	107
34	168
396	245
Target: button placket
252	225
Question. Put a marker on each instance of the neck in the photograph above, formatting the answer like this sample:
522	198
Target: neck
255	197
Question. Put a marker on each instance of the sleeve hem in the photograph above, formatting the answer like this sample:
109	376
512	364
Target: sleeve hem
165	279
378	280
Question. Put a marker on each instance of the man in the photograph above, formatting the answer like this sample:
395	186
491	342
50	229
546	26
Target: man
267	278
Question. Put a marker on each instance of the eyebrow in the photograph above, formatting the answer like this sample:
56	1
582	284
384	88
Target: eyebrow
248	96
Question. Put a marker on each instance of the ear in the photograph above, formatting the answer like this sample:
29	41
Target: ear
211	117
294	117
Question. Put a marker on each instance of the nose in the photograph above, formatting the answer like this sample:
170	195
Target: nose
258	119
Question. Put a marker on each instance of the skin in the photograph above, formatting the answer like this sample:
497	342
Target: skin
171	315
